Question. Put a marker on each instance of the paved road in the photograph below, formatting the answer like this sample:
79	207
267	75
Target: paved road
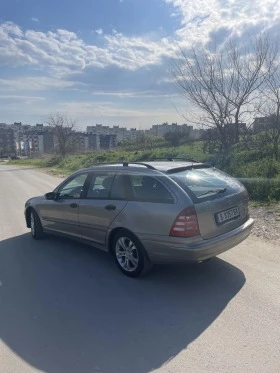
65	308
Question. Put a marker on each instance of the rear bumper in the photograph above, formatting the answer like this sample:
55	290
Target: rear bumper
171	252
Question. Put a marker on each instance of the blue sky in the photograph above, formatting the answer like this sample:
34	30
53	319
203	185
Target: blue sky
107	61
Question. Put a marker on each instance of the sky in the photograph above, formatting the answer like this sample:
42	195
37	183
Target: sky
108	61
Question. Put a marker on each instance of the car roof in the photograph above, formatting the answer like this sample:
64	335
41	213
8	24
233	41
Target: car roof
161	166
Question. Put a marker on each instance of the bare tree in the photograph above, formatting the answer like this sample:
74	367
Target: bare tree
223	84
269	108
64	131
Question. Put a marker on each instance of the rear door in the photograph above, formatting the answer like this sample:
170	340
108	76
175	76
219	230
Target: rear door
221	202
62	213
152	208
103	202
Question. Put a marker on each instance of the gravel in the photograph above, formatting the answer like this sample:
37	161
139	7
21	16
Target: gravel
267	223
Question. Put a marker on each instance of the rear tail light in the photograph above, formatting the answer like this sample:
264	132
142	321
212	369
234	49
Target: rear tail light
186	224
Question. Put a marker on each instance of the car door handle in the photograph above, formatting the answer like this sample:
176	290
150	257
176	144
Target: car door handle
73	205
110	207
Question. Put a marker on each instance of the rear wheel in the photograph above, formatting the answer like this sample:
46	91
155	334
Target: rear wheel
36	226
130	255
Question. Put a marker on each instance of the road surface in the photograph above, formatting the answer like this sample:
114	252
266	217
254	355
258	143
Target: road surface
66	308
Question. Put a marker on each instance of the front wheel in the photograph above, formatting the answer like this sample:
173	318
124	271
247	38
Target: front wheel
36	226
130	255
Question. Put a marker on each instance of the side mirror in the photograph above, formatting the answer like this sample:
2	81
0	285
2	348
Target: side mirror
51	195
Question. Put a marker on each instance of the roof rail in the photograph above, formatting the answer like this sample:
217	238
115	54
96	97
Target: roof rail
172	159
125	164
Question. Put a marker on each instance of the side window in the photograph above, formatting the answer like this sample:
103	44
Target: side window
73	188
148	189
118	188
100	185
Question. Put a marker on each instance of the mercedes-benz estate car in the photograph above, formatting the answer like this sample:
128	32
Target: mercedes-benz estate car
145	213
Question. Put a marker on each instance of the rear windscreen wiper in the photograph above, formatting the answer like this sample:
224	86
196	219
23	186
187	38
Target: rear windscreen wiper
213	191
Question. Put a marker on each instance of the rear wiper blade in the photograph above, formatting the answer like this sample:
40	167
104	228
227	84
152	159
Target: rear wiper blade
213	191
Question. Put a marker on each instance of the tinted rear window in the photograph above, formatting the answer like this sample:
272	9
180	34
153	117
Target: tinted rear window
148	189
205	182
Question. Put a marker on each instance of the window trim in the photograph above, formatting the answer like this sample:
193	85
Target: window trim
68	180
95	174
158	179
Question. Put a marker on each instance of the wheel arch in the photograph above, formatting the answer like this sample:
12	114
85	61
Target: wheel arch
28	216
112	235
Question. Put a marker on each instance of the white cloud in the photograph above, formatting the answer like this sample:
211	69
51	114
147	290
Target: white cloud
37	83
134	94
200	18
58	53
14	99
35	19
99	31
62	51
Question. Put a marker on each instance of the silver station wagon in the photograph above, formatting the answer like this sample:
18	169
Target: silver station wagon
145	213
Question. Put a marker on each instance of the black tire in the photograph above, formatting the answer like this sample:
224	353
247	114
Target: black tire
36	226
127	264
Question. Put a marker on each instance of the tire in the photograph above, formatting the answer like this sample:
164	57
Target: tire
36	226
130	255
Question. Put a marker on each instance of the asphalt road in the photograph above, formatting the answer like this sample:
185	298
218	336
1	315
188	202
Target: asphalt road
65	307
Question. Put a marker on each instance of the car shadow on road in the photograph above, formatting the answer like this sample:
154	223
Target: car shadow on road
66	308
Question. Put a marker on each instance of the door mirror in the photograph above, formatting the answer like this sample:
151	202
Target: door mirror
51	195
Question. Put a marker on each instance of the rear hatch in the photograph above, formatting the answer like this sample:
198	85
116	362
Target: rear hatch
221	202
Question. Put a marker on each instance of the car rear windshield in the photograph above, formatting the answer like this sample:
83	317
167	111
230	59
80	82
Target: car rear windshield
205	183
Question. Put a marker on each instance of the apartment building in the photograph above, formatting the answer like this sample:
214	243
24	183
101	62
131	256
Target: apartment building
30	140
162	129
265	123
114	135
7	145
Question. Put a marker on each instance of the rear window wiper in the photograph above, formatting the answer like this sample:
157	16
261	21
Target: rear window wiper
212	191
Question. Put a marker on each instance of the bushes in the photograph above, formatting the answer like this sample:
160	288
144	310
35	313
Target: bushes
266	190
261	177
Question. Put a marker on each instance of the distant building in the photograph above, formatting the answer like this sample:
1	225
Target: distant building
162	129
113	135
106	141
263	123
7	145
48	142
79	141
196	134
31	140
91	142
27	140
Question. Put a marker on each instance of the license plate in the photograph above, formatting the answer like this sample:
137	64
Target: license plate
224	216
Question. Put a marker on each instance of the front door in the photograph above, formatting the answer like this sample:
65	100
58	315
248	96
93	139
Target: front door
103	202
62	215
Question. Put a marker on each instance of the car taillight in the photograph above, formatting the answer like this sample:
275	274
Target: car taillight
186	224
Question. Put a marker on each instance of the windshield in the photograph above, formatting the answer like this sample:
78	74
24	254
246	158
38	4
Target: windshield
205	182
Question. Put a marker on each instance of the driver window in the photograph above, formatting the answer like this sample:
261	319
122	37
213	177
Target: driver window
73	188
